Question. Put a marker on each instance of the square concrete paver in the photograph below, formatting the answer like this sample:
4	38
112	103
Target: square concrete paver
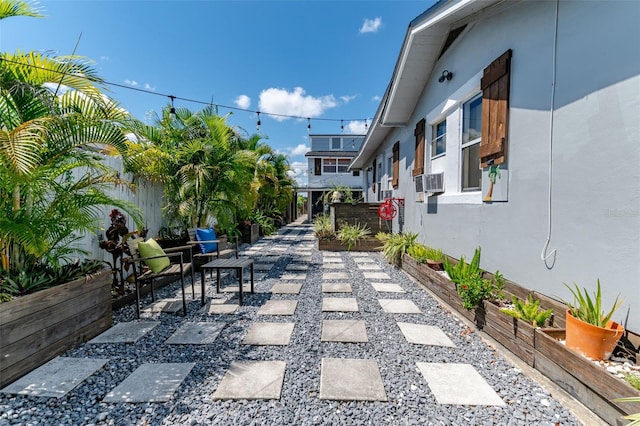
331	254
373	275
286	288
339	304
445	380
368	267
263	267
196	333
269	333
125	332
252	380
335	276
278	307
56	378
422	334
351	380
296	267
293	277
362	259
399	306
348	331
332	260
336	288
212	308
164	305
151	383
333	266
387	288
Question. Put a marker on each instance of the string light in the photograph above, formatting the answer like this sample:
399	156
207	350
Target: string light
172	110
365	125
258	123
341	126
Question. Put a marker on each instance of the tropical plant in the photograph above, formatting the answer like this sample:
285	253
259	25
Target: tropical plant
463	270
528	311
322	227
352	234
590	310
418	252
395	245
267	225
474	289
56	128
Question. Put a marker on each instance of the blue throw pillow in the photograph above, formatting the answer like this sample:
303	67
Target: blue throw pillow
207	235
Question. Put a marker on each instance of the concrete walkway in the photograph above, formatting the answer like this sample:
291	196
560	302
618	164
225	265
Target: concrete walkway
341	378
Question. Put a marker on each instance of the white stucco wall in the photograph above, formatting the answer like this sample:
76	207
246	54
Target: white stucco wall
595	151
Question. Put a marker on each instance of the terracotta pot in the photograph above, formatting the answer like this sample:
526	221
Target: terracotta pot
592	341
436	265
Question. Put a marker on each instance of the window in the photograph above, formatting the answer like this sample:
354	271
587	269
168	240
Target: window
317	168
336	144
335	165
390	172
329	165
418	164
343	165
471	128
438	138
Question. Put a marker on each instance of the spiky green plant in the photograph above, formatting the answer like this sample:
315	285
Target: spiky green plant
395	245
528	311
322	227
418	252
462	270
352	234
590	310
635	418
434	254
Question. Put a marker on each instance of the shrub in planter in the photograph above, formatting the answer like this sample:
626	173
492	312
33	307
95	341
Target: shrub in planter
322	227
351	235
528	311
395	245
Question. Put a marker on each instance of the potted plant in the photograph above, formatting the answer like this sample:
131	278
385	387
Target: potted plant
589	330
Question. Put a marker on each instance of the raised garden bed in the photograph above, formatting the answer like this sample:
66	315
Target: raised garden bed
37	327
368	244
582	378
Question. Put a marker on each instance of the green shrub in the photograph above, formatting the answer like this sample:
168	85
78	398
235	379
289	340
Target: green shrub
463	270
528	311
418	252
322	227
352	234
395	245
475	289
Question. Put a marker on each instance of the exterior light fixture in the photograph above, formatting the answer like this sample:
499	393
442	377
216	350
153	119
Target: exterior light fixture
308	125
341	126
446	75
258	123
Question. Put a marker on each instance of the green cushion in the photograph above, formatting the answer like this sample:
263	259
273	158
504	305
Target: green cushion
152	248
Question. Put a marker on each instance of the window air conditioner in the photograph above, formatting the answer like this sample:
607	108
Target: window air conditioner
387	193
419	180
434	183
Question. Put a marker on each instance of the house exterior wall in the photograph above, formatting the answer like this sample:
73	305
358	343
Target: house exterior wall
591	197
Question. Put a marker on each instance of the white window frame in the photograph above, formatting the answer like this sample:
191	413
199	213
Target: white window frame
345	167
434	138
468	144
326	163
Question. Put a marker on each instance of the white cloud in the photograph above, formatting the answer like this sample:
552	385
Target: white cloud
298	171
150	87
104	58
296	103
346	99
376	98
371	25
301	149
131	82
243	101
356	127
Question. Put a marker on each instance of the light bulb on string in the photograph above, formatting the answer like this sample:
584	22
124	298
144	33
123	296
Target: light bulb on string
258	123
172	111
308	125
365	125
341	126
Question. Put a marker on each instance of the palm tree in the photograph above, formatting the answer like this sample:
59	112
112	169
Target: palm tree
56	126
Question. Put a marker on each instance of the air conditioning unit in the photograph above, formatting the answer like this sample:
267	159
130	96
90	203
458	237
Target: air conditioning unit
419	180
387	194
434	183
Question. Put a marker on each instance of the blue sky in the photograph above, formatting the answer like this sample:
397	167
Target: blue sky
319	59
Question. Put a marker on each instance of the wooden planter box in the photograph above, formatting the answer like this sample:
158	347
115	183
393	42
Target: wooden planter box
37	327
442	287
516	335
585	381
369	244
250	233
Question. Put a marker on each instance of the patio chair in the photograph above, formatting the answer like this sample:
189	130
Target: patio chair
209	247
158	265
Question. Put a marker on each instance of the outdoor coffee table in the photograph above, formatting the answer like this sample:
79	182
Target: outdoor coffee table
237	264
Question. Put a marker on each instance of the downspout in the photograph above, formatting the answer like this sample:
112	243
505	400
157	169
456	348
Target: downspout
549	259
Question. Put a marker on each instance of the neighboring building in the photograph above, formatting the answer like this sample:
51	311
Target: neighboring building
514	126
329	161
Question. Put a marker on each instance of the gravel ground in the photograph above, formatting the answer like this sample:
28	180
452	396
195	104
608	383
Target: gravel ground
410	401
